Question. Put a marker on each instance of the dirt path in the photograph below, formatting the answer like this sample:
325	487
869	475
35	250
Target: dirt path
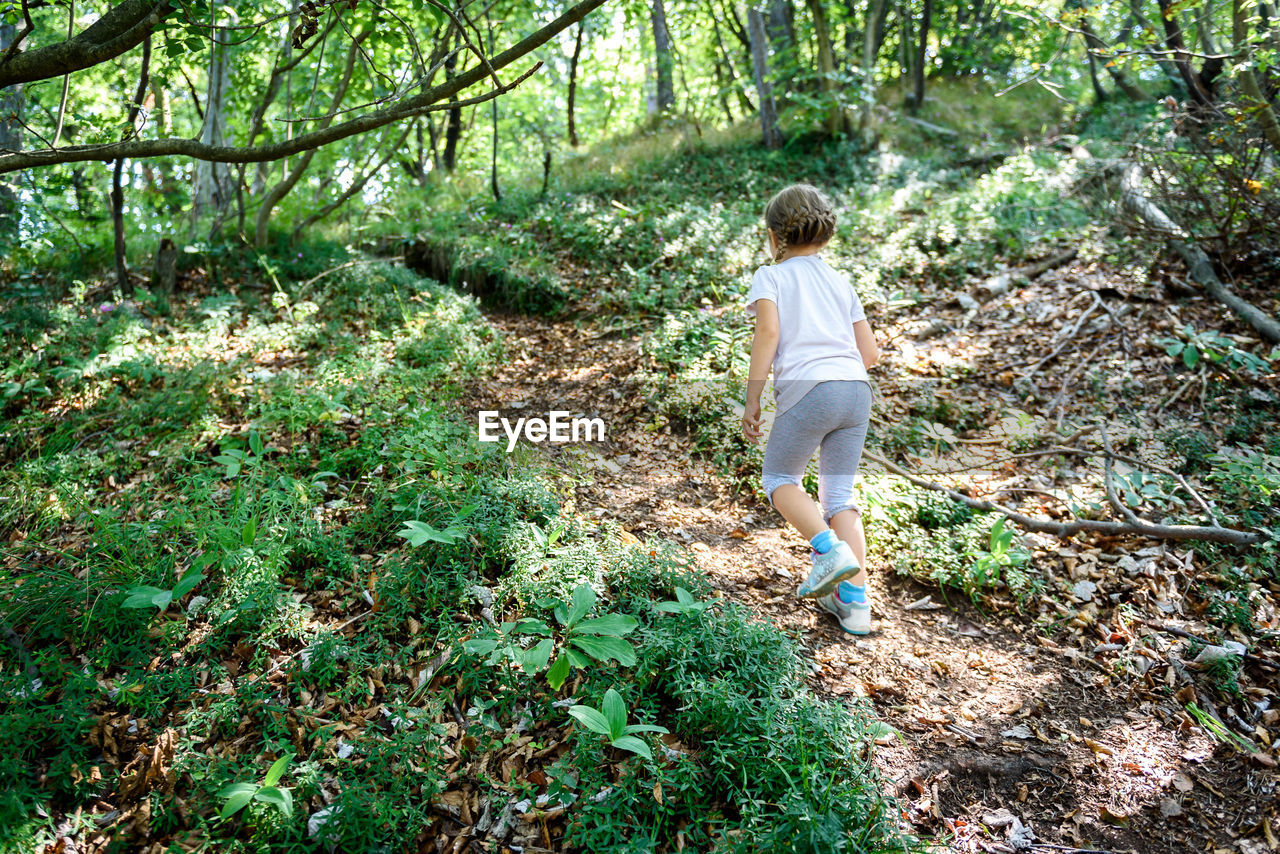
1007	736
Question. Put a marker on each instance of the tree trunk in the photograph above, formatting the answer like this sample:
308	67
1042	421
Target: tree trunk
493	105
744	100
573	86
1099	94
117	174
1196	86
1098	49
666	92
165	278
918	67
1263	111
453	124
827	69
870	47
760	65
292	176
11	103
213	180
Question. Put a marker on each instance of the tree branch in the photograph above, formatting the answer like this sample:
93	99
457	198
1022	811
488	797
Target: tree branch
425	102
1212	533
120	30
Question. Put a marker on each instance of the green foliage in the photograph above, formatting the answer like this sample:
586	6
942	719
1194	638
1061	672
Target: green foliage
1213	348
580	641
610	720
929	537
239	795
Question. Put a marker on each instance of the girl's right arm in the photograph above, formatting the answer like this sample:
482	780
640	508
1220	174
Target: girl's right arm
764	346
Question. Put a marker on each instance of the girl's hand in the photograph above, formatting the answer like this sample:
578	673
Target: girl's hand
751	422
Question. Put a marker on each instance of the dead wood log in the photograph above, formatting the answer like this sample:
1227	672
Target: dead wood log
1200	268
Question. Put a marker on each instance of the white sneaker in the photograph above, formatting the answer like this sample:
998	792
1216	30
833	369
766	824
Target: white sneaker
828	571
854	617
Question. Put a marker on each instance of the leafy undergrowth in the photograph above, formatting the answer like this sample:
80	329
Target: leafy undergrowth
266	590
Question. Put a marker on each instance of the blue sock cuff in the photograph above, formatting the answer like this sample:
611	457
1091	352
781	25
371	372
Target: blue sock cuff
851	593
824	541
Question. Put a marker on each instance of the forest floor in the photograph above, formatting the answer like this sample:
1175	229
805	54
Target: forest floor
1057	723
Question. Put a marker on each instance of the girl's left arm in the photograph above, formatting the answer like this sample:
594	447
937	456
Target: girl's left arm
865	339
764	346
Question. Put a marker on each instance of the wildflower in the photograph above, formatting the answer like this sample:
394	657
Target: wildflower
106	307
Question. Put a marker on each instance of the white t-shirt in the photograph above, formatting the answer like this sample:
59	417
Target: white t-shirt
817	308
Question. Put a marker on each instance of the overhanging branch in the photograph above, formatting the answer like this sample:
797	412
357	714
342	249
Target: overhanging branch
408	108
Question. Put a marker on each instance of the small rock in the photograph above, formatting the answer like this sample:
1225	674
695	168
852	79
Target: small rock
1084	590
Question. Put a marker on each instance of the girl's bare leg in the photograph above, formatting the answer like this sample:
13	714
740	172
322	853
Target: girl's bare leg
848	526
802	512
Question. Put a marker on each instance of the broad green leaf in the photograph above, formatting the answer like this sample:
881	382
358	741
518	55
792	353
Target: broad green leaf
590	718
530	626
1190	356
583	598
604	649
615	712
635	745
420	533
281	799
255	443
577	659
536	658
480	646
187	583
237	795
634	728
615	625
559	671
250	532
162	599
684	597
276	771
141	596
561	614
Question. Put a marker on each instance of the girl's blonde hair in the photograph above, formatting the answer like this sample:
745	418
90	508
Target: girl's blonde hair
800	215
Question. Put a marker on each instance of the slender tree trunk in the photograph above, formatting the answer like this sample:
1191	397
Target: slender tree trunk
663	60
782	32
11	103
274	196
827	69
117	182
918	67
1099	94
573	86
1098	50
744	100
453	125
764	89
1181	56
493	105
213	180
870	47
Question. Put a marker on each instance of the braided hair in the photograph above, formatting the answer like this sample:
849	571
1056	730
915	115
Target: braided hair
800	215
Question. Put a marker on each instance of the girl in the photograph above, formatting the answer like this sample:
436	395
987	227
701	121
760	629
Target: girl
812	331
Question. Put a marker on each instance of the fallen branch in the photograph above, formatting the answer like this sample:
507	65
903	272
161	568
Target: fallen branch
1002	283
1140	527
1198	264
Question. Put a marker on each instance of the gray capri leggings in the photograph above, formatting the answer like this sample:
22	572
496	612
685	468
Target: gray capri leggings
833	415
